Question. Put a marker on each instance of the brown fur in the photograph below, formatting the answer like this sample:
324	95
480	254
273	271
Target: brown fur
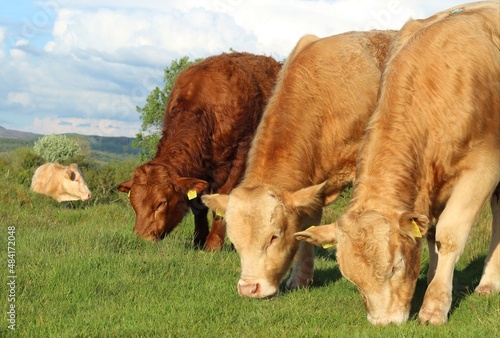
431	154
213	111
63	183
310	133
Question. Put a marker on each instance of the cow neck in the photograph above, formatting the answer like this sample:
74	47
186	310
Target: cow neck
184	146
391	172
281	154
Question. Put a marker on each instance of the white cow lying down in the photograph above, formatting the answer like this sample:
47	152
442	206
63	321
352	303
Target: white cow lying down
63	183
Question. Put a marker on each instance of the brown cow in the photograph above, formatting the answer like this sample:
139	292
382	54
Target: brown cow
431	156
310	132
60	182
211	117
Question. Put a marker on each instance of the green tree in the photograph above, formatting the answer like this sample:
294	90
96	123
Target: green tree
56	148
154	110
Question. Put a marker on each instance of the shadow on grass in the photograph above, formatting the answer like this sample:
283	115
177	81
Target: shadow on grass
464	283
322	277
326	276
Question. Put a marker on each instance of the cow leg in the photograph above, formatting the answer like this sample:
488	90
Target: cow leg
433	254
217	235
452	232
200	226
490	281
303	269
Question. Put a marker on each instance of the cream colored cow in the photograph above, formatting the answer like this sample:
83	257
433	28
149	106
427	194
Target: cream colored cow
310	132
63	183
429	163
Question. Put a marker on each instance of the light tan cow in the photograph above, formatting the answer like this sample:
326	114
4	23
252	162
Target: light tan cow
310	132
63	183
431	157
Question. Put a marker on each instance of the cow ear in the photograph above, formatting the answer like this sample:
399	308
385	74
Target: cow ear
188	184
216	202
323	235
125	186
69	174
413	225
307	200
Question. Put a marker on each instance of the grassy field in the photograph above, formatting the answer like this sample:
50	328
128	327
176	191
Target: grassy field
82	273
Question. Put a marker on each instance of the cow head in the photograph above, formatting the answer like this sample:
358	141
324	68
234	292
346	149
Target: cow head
73	186
380	253
159	199
260	223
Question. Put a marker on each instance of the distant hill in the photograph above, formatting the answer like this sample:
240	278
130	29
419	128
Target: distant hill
9	133
120	145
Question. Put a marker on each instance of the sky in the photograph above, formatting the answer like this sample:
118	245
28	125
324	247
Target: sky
83	66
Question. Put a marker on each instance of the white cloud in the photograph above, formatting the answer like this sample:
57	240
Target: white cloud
197	32
101	59
19	98
22	42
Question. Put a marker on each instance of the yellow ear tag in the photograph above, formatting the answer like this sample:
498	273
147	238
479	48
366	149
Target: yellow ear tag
192	194
219	212
128	194
415	230
325	245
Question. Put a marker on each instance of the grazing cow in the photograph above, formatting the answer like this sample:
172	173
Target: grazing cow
214	109
310	132
60	182
429	163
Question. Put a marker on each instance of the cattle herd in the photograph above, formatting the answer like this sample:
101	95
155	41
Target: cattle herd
409	118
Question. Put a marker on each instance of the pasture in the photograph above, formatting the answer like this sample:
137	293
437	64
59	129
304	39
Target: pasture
81	272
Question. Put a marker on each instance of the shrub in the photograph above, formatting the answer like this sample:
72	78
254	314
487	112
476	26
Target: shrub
20	165
56	148
103	181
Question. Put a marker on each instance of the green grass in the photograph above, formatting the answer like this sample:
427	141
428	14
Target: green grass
81	272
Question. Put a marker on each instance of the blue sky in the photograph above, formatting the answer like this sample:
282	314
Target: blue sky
84	65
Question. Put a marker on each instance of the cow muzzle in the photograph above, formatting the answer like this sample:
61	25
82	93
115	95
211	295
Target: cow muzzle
255	289
382	320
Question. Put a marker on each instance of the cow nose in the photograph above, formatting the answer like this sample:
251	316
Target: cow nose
89	196
248	289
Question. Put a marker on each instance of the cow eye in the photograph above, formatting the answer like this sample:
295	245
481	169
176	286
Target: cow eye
160	205
274	238
395	268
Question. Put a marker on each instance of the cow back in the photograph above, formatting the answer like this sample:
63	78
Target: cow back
326	92
437	103
214	108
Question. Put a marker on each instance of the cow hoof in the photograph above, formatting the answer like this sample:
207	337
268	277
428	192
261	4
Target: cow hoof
295	283
214	244
432	316
199	245
486	289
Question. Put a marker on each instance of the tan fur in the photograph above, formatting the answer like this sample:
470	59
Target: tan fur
63	183
310	133
432	153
